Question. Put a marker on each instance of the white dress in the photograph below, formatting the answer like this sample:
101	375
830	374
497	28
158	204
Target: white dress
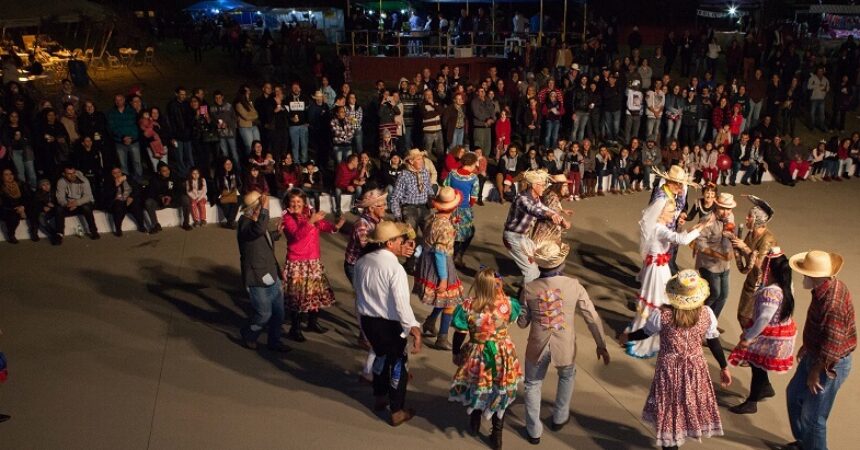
657	239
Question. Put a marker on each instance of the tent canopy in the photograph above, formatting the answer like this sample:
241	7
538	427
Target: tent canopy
220	5
32	13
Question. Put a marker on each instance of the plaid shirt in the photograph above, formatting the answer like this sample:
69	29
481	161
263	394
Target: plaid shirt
406	190
342	131
830	333
358	239
524	212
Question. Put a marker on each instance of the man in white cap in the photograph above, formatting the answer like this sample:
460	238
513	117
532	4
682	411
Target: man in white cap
549	304
526	209
382	290
829	339
713	249
260	273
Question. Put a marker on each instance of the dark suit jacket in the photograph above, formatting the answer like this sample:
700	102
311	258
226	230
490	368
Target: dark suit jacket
256	250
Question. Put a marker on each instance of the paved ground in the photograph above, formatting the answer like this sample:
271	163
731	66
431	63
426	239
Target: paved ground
130	343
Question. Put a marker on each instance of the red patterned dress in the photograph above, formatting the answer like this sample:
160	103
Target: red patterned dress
306	287
773	348
488	378
681	402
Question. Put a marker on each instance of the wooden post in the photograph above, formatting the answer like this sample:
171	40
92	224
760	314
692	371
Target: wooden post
584	19
564	24
540	28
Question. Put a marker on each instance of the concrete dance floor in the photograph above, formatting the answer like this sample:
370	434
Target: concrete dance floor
131	344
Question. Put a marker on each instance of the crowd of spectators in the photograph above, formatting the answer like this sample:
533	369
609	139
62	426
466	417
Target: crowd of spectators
606	120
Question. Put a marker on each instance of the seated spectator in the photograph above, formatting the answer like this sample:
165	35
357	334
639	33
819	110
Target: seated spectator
45	211
255	181
288	173
311	182
75	197
602	168
367	172
777	164
15	206
196	189
121	198
229	185
797	156
483	172
90	161
390	171
167	191
347	181
510	165
452	161
532	160
387	145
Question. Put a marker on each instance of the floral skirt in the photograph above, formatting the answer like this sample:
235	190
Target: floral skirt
306	288
479	385
427	280
772	350
464	223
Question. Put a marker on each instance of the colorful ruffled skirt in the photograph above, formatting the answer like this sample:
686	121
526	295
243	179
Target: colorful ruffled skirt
488	379
306	287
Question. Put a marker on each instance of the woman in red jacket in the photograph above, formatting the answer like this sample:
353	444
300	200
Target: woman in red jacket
452	161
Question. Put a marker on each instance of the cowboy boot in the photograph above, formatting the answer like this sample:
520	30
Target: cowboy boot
296	328
314	324
442	342
496	435
475	421
429	327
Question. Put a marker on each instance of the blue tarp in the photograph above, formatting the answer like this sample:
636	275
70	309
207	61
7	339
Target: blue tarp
219	5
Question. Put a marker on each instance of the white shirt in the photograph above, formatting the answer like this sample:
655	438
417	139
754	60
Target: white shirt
382	289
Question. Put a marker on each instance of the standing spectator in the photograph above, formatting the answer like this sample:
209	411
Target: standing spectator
483	117
756	88
166	191
655	103
633	111
670	51
843	101
829	339
75	197
52	150
226	122
247	117
122	199
342	132
90	161
612	101
455	121
181	119
674	113
431	125
355	115
297	105
260	274
552	111
713	55
122	121
819	86
790	106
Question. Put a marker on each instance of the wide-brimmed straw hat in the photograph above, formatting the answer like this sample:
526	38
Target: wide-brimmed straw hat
448	199
387	230
726	200
550	254
816	263
535	176
676	173
687	290
251	200
412	154
372	198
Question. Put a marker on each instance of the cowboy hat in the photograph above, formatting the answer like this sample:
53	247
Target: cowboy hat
412	154
675	174
372	198
687	290
816	263
550	254
447	199
560	178
574	66
251	200
535	176
319	94
726	200
387	230
761	204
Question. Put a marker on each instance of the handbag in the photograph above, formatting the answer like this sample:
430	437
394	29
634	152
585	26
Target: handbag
229	197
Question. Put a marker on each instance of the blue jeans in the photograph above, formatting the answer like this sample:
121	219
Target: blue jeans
248	135
358	140
580	121
749	171
515	242
534	375
719	283
228	150
551	136
808	412
816	113
184	157
268	305
26	169
299	142
672	129
611	124
458	137
755	112
123	152
341	152
703	130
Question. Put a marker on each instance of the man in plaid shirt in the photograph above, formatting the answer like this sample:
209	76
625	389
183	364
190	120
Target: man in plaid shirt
829	339
525	210
412	191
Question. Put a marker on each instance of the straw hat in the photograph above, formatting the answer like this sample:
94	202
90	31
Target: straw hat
687	290
816	263
550	254
412	154
726	200
372	198
560	178
447	199
387	230
676	173
318	94
251	200
574	66
535	176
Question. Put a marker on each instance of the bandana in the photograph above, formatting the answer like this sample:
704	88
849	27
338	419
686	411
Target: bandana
760	218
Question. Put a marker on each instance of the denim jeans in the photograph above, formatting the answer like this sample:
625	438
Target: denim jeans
653	129
816	113
672	129
749	172
228	150
611	124
703	130
458	138
338	193
434	146
481	137
248	135
184	157
124	151
551	134
580	121
26	169
534	375
753	115
515	245
358	140
719	283
341	152
632	122
808	412
268	305
299	142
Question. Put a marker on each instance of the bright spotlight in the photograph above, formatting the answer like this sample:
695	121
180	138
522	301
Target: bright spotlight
733	10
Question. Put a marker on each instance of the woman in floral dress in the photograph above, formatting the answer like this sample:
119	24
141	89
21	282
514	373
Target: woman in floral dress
488	369
465	181
436	280
767	343
306	287
681	403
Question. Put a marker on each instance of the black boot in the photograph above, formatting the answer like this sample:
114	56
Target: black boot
313	323
475	421
496	436
296	328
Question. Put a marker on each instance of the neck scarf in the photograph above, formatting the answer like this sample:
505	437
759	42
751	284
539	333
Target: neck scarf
13	190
